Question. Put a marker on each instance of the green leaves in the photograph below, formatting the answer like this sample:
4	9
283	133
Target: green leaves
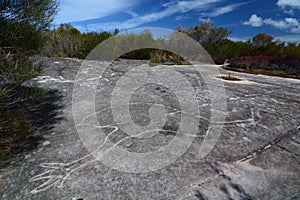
14	70
38	13
207	35
21	23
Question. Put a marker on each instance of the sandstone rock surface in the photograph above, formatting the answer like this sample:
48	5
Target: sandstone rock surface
256	157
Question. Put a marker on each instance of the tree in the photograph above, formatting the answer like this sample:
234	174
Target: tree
208	36
37	13
67	40
21	23
262	39
263	44
292	48
92	39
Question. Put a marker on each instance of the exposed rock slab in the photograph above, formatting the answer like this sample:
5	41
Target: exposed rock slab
256	157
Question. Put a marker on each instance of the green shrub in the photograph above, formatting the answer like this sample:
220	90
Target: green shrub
20	37
14	128
15	125
16	119
21	26
163	57
67	41
16	69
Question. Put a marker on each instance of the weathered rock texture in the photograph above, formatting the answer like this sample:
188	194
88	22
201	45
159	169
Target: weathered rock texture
256	157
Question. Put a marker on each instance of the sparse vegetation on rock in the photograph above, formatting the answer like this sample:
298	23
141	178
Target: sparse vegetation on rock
229	77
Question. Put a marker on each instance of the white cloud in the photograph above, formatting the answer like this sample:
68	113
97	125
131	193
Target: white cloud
290	24
287	24
255	21
290	12
133	14
289	38
289	3
225	9
296	30
222	10
277	24
171	8
186	6
292	21
93	9
73	10
178	18
205	20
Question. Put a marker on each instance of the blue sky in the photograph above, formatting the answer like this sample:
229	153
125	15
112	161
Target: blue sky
279	18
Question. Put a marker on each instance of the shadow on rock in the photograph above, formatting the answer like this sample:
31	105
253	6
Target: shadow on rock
27	114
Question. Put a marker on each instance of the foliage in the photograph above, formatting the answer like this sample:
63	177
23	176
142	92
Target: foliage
15	124
283	65
91	40
140	54
165	57
21	25
64	41
15	116
292	48
219	60
15	69
14	127
67	41
19	37
134	41
215	41
127	45
38	13
208	36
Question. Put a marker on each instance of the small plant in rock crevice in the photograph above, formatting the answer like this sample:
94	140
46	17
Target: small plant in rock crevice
229	77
